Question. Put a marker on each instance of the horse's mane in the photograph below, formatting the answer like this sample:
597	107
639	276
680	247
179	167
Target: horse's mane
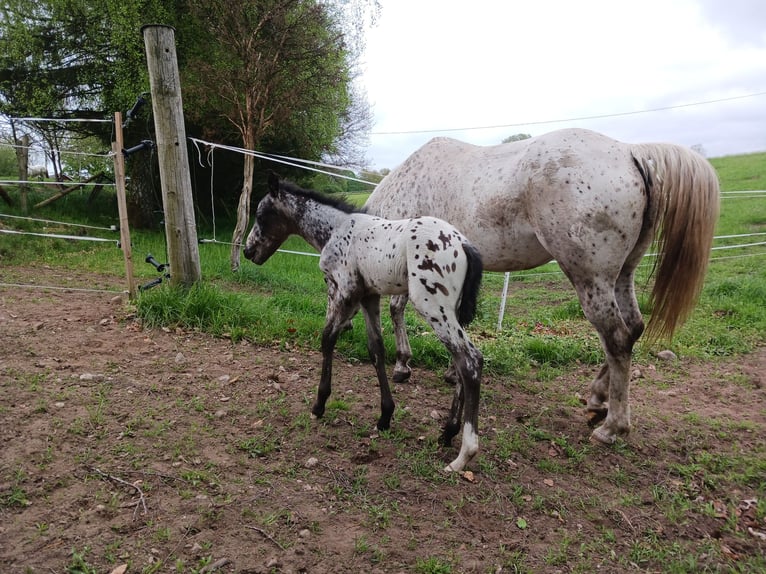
339	203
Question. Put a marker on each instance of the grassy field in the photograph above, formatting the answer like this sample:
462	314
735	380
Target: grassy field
284	300
677	497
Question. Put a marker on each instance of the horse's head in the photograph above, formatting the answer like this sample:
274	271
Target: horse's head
270	228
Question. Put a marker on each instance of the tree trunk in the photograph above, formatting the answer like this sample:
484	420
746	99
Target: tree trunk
243	209
144	204
22	154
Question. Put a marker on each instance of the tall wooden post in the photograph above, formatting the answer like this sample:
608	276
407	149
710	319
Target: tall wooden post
165	84
122	204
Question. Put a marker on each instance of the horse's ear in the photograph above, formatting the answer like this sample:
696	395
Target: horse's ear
273	183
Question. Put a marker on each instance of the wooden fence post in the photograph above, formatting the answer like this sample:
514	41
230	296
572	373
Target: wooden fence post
122	204
178	203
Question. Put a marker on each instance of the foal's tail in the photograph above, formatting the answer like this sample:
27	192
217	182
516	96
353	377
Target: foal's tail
684	203
470	293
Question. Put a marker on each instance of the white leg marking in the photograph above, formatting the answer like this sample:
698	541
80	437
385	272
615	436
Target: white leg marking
468	449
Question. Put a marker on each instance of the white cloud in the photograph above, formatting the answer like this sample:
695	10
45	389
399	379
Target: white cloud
435	65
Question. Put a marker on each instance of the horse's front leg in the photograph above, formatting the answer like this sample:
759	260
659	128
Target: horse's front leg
402	370
339	312
371	311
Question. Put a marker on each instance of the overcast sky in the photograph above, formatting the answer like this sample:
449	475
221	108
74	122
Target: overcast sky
438	66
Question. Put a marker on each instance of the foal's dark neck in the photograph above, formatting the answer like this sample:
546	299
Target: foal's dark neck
316	215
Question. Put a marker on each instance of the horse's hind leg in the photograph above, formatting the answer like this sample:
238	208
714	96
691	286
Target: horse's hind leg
371	311
630	313
601	308
402	370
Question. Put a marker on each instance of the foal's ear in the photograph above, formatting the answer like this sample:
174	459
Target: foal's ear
273	183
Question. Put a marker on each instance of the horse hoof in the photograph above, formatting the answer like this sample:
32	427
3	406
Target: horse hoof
401	376
600	436
448	469
317	413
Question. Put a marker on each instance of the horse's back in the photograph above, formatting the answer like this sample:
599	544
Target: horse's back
513	200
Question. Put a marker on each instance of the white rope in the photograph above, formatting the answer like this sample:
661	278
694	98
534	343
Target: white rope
278	250
570	120
739	235
63	120
737	256
299	253
56	235
62	152
110	228
744	192
57	183
738	245
29	286
210	160
754	196
293	162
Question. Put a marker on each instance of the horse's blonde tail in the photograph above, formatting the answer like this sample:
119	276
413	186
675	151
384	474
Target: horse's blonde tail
684	201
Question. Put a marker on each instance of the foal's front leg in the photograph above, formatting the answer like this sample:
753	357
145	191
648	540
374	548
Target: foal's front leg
371	311
339	312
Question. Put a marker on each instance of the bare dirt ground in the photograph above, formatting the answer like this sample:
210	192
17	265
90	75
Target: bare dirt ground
172	451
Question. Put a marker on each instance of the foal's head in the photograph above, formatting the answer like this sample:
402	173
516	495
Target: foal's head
271	227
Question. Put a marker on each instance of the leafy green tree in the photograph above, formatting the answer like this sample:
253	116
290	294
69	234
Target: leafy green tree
273	75
70	59
516	138
7	161
269	68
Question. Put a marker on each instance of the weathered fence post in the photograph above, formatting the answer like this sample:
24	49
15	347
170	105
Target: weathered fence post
165	84
122	208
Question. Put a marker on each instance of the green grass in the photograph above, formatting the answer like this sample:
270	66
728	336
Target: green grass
283	302
741	172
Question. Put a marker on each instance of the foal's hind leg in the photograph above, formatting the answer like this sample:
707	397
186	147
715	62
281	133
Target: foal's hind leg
402	370
371	311
468	362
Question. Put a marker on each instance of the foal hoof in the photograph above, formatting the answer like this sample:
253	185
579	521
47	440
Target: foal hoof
383	425
401	376
448	433
317	412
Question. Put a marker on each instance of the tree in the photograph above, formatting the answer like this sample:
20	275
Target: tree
272	74
269	67
700	149
49	68
516	138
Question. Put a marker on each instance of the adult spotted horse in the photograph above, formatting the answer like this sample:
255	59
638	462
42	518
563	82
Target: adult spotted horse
591	203
364	257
